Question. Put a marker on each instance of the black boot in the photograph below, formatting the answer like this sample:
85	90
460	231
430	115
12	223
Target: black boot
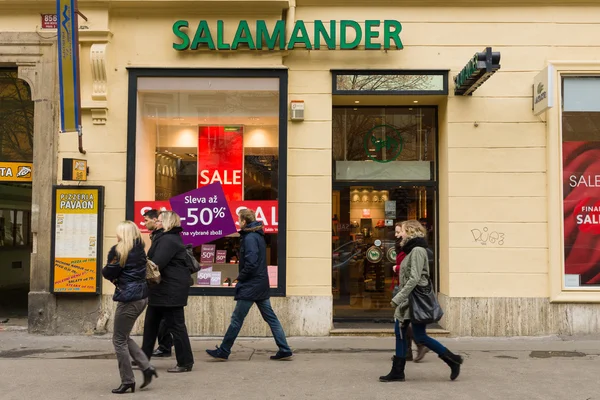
397	372
148	374
124	388
454	361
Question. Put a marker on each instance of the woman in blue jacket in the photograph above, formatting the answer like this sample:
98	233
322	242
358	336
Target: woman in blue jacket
126	268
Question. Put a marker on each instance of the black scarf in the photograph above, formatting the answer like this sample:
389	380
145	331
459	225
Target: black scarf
412	243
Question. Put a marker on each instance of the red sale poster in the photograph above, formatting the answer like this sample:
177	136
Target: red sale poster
141	207
221	159
581	202
266	212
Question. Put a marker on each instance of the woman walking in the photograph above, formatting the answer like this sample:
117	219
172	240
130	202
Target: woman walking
414	270
126	268
169	297
400	255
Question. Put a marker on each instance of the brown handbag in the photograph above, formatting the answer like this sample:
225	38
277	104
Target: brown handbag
152	272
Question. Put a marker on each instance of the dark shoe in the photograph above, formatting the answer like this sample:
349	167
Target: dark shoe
161	353
282	356
178	369
148	374
421	351
124	388
218	354
409	355
454	361
397	372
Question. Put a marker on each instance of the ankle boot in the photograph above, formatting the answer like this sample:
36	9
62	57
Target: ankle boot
397	372
148	374
124	388
454	361
421	351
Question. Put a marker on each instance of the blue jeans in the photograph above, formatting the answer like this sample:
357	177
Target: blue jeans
237	320
420	336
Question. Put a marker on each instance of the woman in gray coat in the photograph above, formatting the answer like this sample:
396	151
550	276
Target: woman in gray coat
414	270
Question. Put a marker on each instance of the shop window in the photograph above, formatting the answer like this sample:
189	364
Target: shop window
581	180
15	228
195	130
16	118
384	143
390	82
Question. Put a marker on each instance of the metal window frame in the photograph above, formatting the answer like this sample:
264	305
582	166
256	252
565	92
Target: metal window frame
282	75
336	73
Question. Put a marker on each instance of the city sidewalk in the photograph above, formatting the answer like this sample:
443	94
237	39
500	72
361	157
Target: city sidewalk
84	367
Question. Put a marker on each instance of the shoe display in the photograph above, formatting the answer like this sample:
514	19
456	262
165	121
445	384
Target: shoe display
282	356
218	354
178	369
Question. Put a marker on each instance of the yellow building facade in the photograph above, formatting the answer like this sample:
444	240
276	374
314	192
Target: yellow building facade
346	141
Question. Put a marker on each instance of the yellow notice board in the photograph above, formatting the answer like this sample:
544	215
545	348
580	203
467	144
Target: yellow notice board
76	239
16	171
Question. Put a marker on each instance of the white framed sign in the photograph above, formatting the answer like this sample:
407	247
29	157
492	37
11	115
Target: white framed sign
543	91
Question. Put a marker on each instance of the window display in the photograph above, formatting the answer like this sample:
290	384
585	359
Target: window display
581	181
207	132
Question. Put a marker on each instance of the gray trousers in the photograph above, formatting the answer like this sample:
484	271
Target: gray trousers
125	346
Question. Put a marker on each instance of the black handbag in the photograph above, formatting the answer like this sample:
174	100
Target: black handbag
424	306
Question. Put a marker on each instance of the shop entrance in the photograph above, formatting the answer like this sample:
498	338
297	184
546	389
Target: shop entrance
16	155
384	162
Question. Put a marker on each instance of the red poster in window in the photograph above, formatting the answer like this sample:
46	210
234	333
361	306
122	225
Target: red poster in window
140	207
221	159
266	212
581	202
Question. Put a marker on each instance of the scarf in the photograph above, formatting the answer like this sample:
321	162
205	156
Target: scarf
412	243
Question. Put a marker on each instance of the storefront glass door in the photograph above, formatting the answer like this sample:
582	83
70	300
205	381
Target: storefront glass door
384	169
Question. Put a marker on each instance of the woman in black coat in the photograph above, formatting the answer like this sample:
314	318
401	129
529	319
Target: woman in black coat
169	297
126	268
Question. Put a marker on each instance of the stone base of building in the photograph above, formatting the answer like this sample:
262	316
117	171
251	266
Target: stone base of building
500	316
210	316
49	314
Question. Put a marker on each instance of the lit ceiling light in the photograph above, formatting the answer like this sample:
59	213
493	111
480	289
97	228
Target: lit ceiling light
416	101
356	102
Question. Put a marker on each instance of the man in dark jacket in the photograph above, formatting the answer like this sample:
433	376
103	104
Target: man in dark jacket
252	287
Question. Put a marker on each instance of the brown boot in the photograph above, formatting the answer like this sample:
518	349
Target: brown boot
421	351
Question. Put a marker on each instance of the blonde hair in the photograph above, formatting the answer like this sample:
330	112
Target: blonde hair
247	215
129	235
413	229
170	220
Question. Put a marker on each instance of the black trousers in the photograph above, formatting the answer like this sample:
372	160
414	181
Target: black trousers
165	339
175	323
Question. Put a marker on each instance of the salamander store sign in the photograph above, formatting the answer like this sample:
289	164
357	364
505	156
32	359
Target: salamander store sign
376	35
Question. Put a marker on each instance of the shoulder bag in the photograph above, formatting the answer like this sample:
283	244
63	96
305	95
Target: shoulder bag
191	262
424	306
152	272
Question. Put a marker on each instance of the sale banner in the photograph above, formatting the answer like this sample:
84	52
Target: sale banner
221	257
581	204
204	214
207	255
204	275
221	159
266	212
141	207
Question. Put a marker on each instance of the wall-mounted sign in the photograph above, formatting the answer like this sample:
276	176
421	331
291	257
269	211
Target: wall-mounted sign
374	254
376	35
16	171
221	159
77	239
478	70
74	170
543	91
49	21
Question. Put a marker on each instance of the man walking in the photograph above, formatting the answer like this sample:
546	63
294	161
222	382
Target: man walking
252	288
165	340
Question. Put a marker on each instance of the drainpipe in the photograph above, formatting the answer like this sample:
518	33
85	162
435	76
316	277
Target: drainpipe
290	20
80	137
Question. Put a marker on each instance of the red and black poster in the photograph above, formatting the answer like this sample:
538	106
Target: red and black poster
221	159
581	202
